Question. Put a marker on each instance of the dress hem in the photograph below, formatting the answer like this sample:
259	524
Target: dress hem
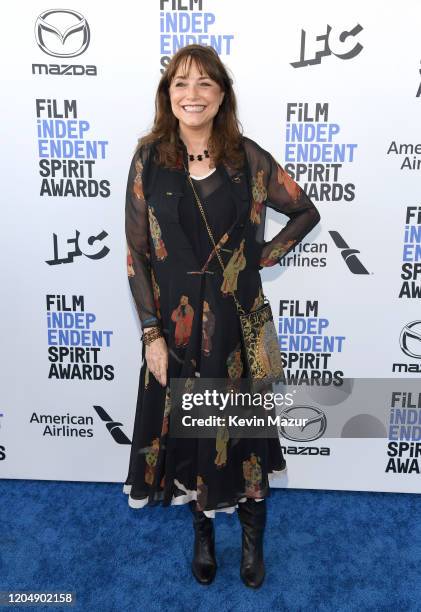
191	495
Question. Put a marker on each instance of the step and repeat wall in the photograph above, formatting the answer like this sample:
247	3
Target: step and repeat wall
334	93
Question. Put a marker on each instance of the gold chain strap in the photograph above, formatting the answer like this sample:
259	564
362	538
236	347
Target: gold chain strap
237	303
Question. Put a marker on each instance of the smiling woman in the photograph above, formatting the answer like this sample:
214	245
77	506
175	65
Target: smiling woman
185	299
195	98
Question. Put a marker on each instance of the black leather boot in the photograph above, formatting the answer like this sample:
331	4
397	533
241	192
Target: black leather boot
252	515
204	562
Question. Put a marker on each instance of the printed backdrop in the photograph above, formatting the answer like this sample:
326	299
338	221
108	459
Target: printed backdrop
334	92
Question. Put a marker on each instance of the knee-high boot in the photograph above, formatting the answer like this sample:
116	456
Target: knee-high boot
204	562
252	515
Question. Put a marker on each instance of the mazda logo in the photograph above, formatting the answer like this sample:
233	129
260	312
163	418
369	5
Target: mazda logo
313	429
410	339
62	33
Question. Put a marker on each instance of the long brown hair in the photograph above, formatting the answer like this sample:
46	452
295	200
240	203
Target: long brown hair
225	140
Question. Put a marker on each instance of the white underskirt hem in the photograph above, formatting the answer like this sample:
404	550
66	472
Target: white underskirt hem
191	495
277	473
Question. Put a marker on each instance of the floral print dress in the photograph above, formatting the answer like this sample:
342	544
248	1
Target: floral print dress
168	248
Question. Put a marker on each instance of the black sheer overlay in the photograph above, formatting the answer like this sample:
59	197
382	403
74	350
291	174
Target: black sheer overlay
271	187
167	245
138	246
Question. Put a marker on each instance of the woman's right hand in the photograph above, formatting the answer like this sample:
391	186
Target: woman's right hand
156	355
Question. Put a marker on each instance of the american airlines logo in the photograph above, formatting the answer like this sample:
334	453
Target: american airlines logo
113	427
349	255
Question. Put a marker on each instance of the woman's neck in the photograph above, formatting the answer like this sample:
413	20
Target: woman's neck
196	141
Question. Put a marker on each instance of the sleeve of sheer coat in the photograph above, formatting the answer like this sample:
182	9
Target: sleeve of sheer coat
138	250
272	186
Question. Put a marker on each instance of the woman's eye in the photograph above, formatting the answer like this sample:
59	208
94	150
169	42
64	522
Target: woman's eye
179	84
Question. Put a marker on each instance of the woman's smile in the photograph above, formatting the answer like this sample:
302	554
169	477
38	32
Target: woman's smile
195	97
193	108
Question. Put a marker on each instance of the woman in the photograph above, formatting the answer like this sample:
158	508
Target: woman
184	299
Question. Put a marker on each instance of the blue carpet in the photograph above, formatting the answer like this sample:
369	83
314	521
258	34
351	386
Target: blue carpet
324	551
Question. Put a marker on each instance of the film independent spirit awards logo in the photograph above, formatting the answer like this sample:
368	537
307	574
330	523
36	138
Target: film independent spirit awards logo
62	33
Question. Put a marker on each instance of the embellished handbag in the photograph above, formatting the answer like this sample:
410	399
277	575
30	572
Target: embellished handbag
259	337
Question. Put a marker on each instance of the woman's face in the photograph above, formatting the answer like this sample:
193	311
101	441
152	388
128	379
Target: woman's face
195	98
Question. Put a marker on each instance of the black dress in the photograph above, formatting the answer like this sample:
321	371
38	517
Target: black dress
220	472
